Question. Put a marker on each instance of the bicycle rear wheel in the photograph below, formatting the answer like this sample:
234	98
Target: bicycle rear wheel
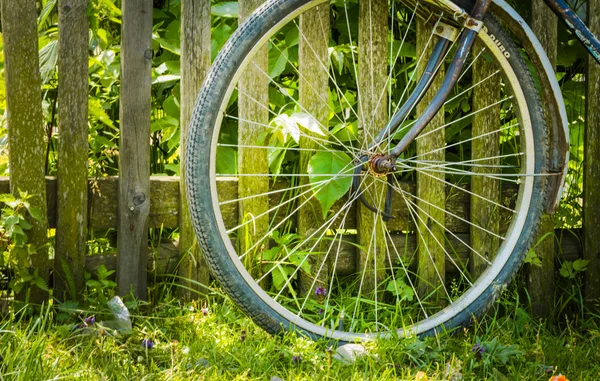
293	100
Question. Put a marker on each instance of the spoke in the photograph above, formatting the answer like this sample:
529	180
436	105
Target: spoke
464	162
337	254
403	192
407	274
438	242
466	191
472	87
278	206
443	227
463	141
326	226
316	277
394	61
358	90
321	142
299	105
289	174
462	118
412	214
269	193
273	147
284	220
302	77
470	65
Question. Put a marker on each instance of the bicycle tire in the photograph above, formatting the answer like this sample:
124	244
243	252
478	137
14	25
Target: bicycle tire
219	247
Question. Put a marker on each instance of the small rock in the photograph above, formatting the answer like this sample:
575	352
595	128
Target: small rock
275	378
349	353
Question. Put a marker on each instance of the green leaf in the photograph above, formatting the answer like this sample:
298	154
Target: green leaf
41	283
533	259
171	107
227	161
46	12
97	111
580	265
48	60
332	168
36	213
163	123
226	9
279	277
278	59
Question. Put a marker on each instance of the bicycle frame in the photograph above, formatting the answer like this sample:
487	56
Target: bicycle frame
576	26
385	164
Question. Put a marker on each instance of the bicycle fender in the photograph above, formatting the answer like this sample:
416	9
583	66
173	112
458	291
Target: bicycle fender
556	114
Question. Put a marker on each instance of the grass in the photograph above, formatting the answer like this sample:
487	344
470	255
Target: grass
215	341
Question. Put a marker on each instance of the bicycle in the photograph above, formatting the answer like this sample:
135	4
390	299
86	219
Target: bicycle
385	174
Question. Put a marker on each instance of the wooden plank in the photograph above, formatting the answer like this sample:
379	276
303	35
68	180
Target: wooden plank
591	177
314	96
195	63
483	212
253	90
164	259
164	210
540	281
430	216
373	70
26	135
71	231
134	151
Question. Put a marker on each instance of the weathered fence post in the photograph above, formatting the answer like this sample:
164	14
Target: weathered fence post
195	63
541	279
134	153
72	195
373	69
314	95
483	212
26	135
253	99
431	191
591	177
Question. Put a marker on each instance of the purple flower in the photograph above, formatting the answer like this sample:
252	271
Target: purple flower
297	359
90	320
147	344
320	312
478	350
320	291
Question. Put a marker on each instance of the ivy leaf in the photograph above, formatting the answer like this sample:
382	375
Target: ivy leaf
328	173
580	265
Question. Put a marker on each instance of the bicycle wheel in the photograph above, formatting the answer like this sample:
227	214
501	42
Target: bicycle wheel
293	101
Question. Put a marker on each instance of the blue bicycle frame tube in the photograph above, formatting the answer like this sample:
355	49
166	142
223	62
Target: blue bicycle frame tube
575	25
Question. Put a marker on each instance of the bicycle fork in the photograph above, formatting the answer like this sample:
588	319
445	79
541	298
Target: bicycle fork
385	165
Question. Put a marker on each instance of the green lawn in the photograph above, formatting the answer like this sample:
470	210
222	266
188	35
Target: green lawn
218	342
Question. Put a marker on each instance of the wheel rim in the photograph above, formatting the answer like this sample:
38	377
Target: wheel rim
327	297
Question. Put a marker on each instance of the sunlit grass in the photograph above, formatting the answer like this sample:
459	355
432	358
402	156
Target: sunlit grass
213	340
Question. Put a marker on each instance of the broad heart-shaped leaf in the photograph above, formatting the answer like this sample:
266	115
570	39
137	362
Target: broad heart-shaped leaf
329	176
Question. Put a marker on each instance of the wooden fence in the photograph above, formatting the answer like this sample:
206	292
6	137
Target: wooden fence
137	201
